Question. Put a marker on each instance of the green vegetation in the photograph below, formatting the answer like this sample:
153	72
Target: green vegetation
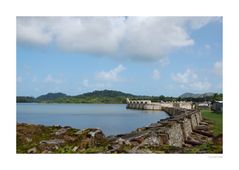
111	96
56	139
215	118
105	96
25	99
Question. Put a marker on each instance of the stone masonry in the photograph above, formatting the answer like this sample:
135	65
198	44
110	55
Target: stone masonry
180	129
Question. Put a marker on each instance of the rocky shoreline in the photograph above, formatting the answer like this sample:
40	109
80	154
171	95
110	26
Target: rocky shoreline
184	132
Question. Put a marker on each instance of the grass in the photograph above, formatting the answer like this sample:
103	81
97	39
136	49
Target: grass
215	118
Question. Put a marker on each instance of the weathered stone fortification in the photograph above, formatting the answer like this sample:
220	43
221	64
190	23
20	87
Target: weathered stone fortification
184	127
148	105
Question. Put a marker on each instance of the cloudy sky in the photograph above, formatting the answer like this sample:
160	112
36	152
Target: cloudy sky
140	55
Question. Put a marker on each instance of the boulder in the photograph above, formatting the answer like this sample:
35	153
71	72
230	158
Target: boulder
32	150
152	141
201	127
121	141
138	139
193	142
205	133
46	151
61	131
28	139
79	132
53	141
114	148
203	123
75	148
96	133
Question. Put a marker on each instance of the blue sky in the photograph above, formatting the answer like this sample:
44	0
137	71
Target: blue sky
139	55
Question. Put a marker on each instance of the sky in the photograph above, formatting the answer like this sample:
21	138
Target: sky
139	55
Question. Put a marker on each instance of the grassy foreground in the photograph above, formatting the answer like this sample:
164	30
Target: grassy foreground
215	118
215	122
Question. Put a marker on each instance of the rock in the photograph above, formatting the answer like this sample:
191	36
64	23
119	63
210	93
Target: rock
140	129
193	142
205	133
85	143
57	126
95	133
111	138
110	147
121	141
67	127
203	123
79	132
53	141
201	127
138	139
32	150
28	139
114	148
46	151
143	151
152	141
187	145
61	131
75	148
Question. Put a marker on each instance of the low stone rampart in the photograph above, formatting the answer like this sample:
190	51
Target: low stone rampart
177	130
148	105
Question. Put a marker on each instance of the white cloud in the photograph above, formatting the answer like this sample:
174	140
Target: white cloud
186	77
34	30
156	74
50	79
163	61
199	85
199	22
190	80
153	37
218	68
112	75
145	38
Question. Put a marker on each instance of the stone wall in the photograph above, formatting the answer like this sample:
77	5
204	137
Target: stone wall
193	121
186	128
174	131
175	134
148	105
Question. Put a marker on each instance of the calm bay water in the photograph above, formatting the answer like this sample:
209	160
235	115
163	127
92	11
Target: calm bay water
111	118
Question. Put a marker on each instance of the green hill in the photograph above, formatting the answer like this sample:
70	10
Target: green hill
104	96
112	96
51	96
106	93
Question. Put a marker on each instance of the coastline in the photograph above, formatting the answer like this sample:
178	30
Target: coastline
149	139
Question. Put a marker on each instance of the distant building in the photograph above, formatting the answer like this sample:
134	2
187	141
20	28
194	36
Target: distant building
217	106
203	105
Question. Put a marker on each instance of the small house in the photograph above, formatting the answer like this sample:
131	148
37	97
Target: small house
217	106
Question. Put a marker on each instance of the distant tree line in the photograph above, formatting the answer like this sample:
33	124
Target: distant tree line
109	96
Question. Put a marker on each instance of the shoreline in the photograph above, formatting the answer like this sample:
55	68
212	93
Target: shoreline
165	136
